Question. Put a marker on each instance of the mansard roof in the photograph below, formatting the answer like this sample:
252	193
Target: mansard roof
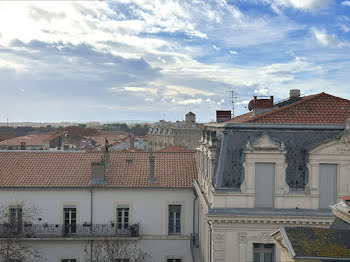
320	108
73	169
317	243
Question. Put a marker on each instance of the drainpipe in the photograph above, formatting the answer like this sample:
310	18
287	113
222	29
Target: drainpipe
210	241
194	210
91	216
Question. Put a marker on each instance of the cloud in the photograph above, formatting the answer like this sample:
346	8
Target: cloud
301	4
346	3
232	52
345	28
216	48
326	39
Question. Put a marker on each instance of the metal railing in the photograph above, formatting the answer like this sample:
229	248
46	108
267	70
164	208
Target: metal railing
59	230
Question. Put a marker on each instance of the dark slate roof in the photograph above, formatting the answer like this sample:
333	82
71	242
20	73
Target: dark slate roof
340	224
297	142
262	212
319	243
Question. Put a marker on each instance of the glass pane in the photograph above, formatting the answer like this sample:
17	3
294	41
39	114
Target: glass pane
256	257
268	257
268	245
256	245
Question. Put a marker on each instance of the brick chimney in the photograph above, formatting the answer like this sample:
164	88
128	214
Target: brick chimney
223	115
151	178
131	141
99	169
262	105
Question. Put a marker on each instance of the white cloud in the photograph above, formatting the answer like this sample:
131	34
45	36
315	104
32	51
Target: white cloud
173	90
345	28
326	39
134	89
11	65
300	4
216	48
346	3
232	52
262	91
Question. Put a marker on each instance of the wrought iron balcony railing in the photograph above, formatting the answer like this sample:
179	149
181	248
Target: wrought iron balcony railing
70	230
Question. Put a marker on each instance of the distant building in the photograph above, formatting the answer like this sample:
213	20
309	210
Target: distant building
186	133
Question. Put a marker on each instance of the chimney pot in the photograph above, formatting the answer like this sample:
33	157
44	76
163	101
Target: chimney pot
294	93
262	105
223	115
151	179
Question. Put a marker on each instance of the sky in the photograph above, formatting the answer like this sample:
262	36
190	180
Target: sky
150	60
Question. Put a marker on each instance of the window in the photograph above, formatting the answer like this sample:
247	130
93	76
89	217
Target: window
122	217
173	260
16	217
263	252
70	220
122	260
328	185
174	219
68	260
264	184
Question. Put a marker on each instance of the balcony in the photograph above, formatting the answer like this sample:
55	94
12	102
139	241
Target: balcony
67	231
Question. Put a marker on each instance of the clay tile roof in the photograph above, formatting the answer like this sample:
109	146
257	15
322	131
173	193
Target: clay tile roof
175	149
30	140
73	169
112	139
314	109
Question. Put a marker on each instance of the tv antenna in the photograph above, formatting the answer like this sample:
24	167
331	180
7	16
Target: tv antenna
233	100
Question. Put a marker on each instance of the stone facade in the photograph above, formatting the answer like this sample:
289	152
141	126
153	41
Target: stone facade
231	223
186	133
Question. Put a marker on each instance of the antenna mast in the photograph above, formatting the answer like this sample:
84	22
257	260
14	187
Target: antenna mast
233	101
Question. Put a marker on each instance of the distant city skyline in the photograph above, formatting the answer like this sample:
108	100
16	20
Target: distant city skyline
143	60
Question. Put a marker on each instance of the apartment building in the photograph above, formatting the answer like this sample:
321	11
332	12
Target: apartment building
282	164
143	198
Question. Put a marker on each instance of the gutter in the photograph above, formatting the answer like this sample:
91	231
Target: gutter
91	220
210	241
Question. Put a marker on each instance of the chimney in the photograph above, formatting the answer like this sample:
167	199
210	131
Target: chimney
131	141
223	115
107	160
23	145
98	173
151	178
262	105
293	93
347	125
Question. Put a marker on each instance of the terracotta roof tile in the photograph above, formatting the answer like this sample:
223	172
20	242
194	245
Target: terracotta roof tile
175	149
314	109
73	169
30	140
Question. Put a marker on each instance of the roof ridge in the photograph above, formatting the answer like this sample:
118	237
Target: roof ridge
301	101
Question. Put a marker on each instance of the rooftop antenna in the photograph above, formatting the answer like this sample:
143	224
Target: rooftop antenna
233	100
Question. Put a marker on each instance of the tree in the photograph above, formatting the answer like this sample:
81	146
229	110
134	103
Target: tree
112	250
14	221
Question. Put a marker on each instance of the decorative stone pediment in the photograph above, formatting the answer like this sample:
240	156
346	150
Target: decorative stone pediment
338	146
265	142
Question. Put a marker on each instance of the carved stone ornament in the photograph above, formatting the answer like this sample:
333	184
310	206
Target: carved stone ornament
265	142
219	236
242	237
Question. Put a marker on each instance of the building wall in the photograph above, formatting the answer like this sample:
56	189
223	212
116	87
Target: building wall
148	207
233	236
